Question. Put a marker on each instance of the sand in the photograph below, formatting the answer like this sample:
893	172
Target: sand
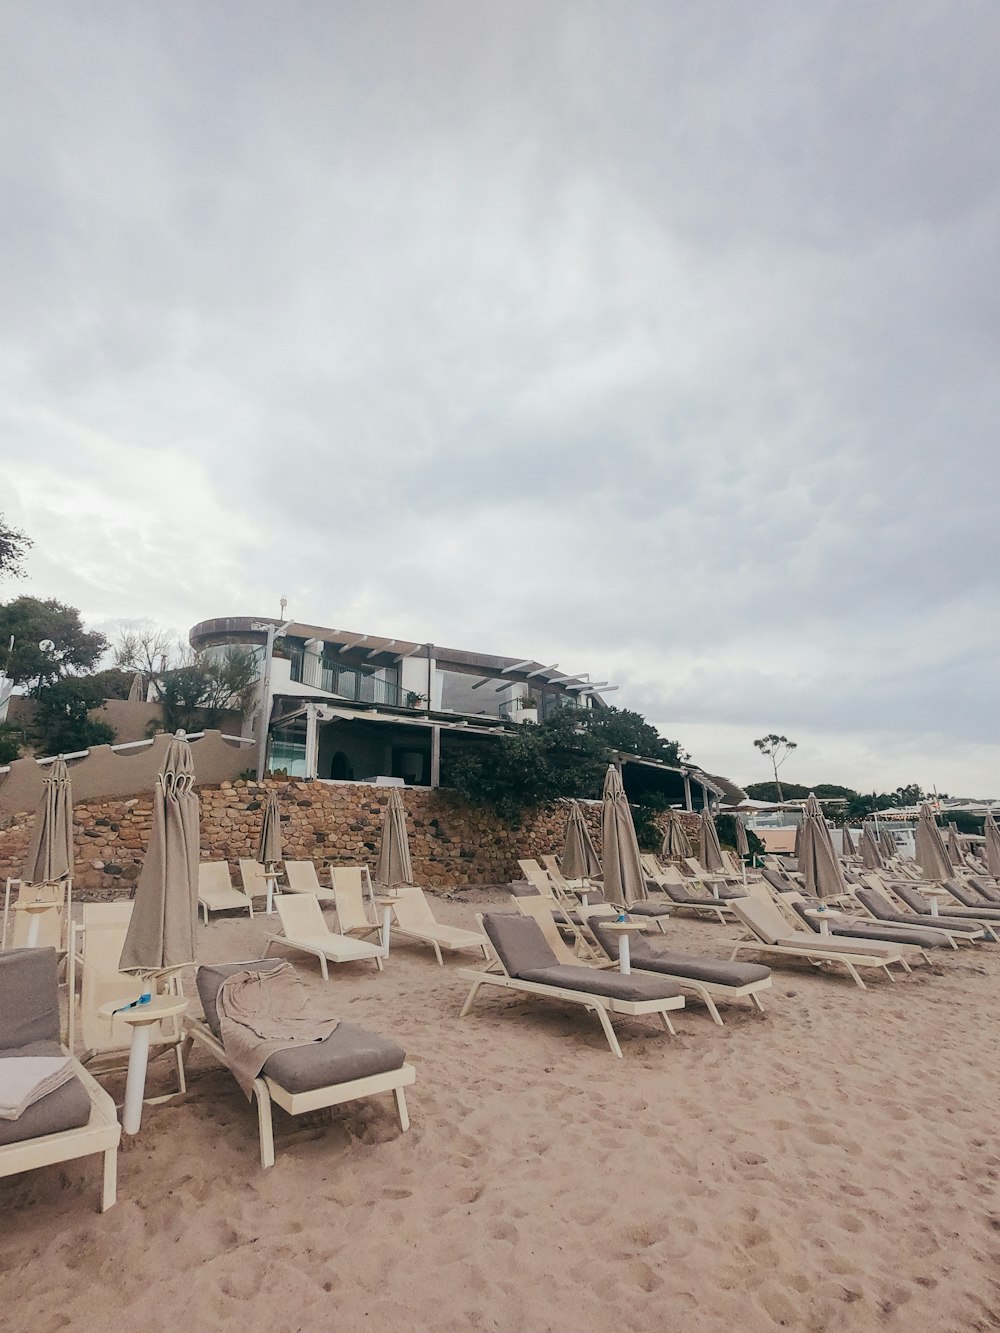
833	1165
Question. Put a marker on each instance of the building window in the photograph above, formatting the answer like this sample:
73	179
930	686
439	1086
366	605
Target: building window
288	749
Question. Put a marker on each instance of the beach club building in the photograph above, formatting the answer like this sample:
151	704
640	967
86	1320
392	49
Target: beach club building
342	706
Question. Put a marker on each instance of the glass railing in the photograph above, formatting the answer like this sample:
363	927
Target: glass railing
358	686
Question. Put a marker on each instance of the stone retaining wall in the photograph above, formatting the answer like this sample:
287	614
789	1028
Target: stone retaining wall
451	843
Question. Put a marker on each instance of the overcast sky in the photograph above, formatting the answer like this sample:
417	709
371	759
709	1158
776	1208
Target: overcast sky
659	340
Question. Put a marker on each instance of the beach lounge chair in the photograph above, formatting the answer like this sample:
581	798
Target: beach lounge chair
75	1120
216	892
844	926
415	921
304	927
302	878
881	908
988	888
540	910
708	978
349	1064
678	890
525	963
972	898
96	948
770	933
355	897
536	876
597	900
253	879
987	918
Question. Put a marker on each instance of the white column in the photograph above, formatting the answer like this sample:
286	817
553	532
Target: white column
312	742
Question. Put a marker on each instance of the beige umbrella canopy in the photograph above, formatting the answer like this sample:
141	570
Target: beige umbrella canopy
953	848
932	855
887	844
676	843
818	862
742	841
848	847
269	847
136	694
394	854
50	852
871	857
579	858
161	932
624	881
710	851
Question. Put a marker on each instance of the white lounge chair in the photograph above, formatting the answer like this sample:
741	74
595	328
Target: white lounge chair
302	878
416	921
305	928
356	911
253	879
216	892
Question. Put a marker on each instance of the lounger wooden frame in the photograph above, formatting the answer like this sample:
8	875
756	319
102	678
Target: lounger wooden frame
302	878
216	892
101	1134
266	1090
602	1005
416	921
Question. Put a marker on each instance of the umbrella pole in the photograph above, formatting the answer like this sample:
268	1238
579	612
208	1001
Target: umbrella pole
270	876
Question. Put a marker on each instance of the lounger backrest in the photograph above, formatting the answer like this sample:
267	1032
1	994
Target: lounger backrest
101	981
535	875
875	901
694	865
762	918
213	875
107	914
413	911
912	897
539	910
301	915
519	943
252	877
29	997
777	881
349	886
989	889
961	891
302	877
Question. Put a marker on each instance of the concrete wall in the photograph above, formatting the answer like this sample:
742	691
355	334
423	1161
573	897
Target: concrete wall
107	773
451	844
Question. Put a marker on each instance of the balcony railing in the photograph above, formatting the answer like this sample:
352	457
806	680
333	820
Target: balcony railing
358	686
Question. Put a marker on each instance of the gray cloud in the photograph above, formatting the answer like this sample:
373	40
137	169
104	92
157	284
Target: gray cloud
655	339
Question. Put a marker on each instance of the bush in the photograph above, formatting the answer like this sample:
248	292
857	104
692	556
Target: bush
10	743
61	724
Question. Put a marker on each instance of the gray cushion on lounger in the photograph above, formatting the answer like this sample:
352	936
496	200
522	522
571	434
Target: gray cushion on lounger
780	882
885	911
650	910
68	1107
519	942
915	899
874	930
350	1052
681	896
648	958
633	987
971	900
29	997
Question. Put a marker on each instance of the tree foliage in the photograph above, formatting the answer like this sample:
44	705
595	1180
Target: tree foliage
61	724
32	621
777	749
10	743
197	693
14	546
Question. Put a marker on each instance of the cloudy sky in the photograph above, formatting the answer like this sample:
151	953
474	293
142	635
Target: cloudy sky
659	340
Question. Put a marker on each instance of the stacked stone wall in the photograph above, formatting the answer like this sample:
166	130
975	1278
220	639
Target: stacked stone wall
451	843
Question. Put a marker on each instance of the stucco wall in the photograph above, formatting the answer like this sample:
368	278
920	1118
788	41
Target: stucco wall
451	844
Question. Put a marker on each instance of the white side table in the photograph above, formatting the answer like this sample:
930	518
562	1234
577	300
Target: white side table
623	929
140	1019
386	901
823	916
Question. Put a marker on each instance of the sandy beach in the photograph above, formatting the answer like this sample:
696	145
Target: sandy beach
833	1165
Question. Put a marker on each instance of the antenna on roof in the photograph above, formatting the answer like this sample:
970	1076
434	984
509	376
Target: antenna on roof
283	604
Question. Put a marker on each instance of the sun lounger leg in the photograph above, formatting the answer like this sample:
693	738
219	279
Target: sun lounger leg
179	1057
885	969
703	994
404	1115
609	1032
854	973
264	1122
204	911
323	967
109	1185
755	1000
472	995
905	965
378	964
437	950
668	1025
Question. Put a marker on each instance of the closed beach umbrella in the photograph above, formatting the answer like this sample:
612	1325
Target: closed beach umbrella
818	862
992	845
932	855
871	857
135	690
887	844
579	859
742	842
161	931
50	852
953	848
624	881
269	847
676	843
710	852
848	848
394	854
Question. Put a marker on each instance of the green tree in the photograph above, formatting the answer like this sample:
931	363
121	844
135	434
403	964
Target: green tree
628	732
777	749
31	622
14	545
10	743
197	693
62	724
